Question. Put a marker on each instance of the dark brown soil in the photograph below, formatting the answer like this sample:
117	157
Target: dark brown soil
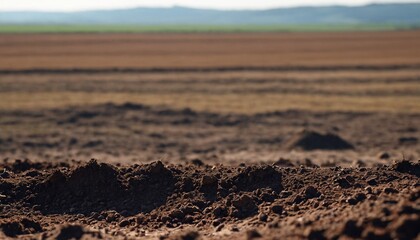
97	200
133	133
219	176
311	140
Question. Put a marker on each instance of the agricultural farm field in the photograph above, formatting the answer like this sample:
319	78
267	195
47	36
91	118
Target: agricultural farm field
225	73
294	135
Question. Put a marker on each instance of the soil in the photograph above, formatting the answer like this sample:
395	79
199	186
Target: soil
94	200
246	136
134	133
311	140
220	175
156	51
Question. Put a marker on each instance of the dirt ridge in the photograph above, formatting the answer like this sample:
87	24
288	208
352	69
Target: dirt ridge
364	67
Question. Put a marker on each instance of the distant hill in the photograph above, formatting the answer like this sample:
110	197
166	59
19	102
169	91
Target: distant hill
404	14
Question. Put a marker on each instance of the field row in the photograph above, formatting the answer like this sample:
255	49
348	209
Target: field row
364	71
236	92
226	103
52	51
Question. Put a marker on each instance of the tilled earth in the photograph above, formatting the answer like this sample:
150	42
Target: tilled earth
73	200
181	174
134	133
238	163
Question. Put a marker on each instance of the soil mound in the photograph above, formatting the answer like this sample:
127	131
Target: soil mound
100	187
407	167
253	178
20	226
68	232
311	140
90	186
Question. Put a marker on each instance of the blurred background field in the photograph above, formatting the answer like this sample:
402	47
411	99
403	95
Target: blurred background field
227	73
134	85
244	94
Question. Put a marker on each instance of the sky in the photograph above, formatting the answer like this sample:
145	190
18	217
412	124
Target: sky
77	5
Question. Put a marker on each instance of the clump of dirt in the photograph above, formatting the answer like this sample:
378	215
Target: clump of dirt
19	226
100	187
253	178
407	167
311	140
68	232
91	186
244	206
148	187
19	165
23	165
282	162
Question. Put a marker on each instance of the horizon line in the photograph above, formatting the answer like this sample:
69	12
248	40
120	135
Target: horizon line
211	8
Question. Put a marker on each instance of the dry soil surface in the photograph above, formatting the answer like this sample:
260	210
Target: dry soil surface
73	200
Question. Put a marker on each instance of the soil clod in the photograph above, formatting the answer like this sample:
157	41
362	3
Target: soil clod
311	140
